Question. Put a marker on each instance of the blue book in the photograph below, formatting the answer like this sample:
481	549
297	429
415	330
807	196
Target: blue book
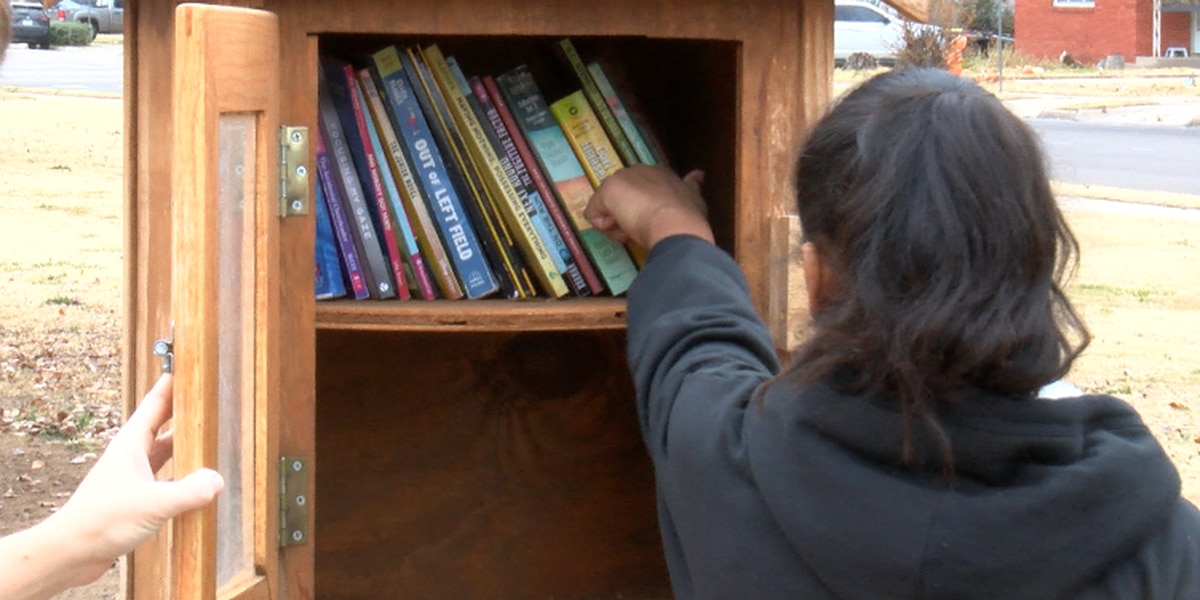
418	274
327	187
458	233
342	89
376	269
329	282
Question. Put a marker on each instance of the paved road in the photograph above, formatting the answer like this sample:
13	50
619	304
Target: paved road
1135	157
95	68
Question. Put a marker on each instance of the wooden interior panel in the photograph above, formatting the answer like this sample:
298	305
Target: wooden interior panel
482	466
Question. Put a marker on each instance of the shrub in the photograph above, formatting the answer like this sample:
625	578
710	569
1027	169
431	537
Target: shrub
70	34
922	46
861	61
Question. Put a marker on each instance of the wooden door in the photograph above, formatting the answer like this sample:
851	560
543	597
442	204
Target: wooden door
225	290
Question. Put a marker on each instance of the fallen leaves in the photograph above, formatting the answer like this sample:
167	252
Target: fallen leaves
83	458
37	476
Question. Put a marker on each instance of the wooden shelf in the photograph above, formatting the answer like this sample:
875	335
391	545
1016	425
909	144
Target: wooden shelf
474	315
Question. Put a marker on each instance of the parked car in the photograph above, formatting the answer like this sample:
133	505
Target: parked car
62	10
861	26
104	16
30	25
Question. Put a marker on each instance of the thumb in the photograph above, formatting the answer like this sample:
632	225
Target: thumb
191	492
694	179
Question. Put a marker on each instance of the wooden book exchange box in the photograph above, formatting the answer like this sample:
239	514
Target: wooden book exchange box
483	449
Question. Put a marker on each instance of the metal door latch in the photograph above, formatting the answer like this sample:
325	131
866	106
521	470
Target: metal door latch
165	350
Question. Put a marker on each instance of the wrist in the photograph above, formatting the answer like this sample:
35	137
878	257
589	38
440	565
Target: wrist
42	561
668	222
71	547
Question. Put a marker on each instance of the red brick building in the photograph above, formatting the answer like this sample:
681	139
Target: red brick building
1090	30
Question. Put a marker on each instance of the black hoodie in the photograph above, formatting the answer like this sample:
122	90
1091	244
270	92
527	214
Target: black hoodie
791	491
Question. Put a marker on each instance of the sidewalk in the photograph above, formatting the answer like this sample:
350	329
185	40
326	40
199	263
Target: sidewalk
1174	111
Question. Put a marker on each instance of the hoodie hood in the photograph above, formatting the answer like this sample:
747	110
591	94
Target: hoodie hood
1018	518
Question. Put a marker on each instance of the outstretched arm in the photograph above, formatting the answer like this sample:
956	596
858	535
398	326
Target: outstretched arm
116	507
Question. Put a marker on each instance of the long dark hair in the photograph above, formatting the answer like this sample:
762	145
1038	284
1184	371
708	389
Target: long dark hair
931	203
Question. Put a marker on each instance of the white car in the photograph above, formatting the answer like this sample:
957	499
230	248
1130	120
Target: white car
863	26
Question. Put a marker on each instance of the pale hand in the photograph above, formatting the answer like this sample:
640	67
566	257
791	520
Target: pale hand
116	507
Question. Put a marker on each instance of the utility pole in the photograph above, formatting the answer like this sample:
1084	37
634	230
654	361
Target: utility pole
1000	46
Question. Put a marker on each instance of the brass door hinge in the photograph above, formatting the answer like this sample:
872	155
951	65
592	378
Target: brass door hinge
293	501
293	171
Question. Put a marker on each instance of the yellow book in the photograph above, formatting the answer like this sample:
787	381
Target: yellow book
592	146
586	136
507	200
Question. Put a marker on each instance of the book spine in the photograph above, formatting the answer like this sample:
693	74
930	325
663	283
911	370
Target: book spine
540	220
536	203
560	166
495	241
356	203
364	155
625	150
415	204
457	231
341	226
495	237
417	272
328	280
533	247
553	205
586	136
614	103
582	128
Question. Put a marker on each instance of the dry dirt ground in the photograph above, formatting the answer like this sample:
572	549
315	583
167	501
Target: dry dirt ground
61	271
60	281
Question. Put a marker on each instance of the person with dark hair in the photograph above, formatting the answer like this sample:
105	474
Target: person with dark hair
905	452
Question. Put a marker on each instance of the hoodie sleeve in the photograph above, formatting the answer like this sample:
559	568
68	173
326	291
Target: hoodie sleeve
694	337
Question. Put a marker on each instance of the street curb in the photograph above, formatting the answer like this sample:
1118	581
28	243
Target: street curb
56	92
1066	114
1100	192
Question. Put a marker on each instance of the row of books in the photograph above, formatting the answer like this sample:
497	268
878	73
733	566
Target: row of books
433	184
